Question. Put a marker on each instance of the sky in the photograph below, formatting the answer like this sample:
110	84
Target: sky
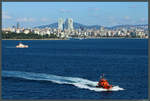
31	14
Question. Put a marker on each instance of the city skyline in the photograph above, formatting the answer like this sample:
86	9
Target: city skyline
88	13
65	28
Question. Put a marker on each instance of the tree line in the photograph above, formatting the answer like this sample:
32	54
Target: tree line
13	35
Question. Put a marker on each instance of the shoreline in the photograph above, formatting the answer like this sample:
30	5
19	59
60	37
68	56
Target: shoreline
76	38
34	39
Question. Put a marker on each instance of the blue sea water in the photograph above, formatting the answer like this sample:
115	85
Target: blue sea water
70	69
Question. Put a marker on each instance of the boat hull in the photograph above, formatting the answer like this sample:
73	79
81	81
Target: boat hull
108	87
22	46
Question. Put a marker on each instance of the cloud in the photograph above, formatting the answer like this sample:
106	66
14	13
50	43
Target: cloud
96	9
112	21
111	18
93	9
25	19
95	15
44	20
127	18
133	6
65	10
94	12
120	20
142	19
6	16
139	5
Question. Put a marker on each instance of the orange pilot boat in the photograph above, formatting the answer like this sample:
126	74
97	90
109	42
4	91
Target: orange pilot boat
103	83
22	46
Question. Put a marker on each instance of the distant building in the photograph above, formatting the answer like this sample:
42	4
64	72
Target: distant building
18	26
60	24
13	27
36	31
101	28
17	31
26	31
70	24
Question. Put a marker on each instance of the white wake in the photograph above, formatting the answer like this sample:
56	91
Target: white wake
78	82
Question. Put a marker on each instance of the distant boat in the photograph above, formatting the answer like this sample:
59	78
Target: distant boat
22	46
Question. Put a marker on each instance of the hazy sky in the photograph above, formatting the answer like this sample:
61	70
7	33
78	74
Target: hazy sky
30	14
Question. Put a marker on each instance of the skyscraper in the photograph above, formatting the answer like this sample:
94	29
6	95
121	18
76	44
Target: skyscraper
70	23
60	24
18	25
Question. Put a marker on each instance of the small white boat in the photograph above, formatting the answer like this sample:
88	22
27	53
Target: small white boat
22	46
